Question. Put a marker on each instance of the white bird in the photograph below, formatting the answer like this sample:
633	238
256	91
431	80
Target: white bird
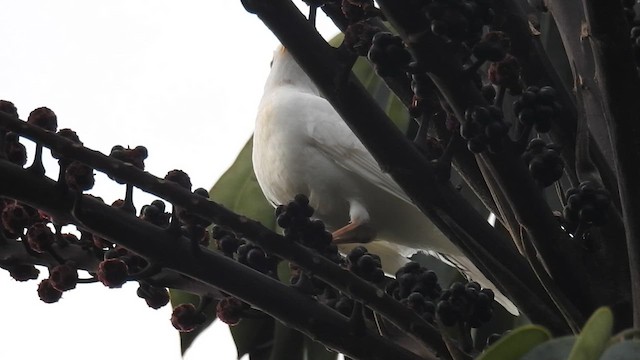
301	145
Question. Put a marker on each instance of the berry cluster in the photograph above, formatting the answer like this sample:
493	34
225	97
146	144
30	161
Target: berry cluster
465	304
364	264
134	157
256	258
587	204
544	162
155	213
294	218
418	288
388	55
226	241
484	129
245	252
459	20
39	233
537	107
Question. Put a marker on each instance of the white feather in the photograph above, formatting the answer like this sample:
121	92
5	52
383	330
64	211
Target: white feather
302	146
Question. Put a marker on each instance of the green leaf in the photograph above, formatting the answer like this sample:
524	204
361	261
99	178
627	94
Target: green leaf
555	349
594	336
625	350
238	190
288	344
387	100
254	337
517	343
398	112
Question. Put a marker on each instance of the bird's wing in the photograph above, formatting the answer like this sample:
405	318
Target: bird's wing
331	136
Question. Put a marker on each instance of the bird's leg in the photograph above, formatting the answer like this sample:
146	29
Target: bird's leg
359	229
353	233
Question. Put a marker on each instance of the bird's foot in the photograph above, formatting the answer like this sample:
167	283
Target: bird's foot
354	233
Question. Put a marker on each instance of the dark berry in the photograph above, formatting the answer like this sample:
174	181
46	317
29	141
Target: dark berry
179	177
8	108
16	152
63	277
113	272
45	118
202	192
69	135
185	318
15	218
488	92
40	237
79	176
230	310
155	297
476	145
48	293
23	272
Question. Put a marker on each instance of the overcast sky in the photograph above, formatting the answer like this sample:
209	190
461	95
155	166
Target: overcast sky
181	78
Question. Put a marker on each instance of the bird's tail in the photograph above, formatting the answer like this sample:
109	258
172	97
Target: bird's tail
395	256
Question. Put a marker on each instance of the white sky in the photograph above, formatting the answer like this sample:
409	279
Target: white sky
181	78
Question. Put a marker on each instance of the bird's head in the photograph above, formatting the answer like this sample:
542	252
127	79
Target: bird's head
285	71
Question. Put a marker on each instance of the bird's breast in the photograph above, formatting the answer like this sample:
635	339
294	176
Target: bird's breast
286	163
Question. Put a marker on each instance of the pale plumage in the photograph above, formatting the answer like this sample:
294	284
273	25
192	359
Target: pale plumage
302	146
